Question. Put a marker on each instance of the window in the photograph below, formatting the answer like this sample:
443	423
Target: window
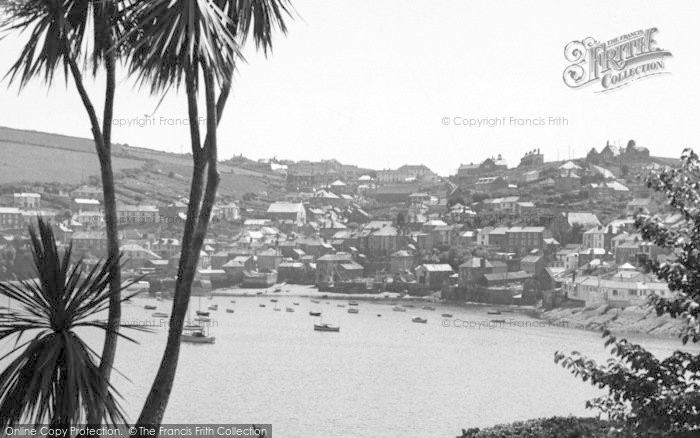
614	292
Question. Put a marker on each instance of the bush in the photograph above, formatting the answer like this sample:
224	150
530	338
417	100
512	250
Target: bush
555	427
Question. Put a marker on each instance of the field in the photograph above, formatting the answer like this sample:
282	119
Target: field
29	163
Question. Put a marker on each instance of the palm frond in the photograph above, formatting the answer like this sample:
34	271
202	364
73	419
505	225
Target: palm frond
257	18
52	375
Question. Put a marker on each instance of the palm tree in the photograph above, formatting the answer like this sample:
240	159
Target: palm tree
54	375
58	34
172	41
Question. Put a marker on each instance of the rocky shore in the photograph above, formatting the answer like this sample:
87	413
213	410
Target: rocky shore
634	319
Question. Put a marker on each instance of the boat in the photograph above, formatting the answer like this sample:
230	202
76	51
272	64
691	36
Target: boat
428	308
379	315
233	301
213	307
289	309
323	327
315	301
229	310
202	313
258	293
274	300
493	312
419	320
398	309
315	313
296	304
149	307
159	315
353	310
446	315
202	319
196	334
341	305
278	289
277	309
353	303
261	305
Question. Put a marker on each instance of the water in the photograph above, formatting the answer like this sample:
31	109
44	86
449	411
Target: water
380	376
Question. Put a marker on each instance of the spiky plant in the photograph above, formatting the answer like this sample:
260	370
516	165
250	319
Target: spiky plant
50	374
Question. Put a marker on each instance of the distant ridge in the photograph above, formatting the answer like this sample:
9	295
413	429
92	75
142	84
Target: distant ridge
46	139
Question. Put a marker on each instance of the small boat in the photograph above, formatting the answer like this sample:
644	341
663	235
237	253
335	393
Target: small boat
233	301
159	315
277	309
289	309
202	319
352	303
274	300
341	305
428	308
202	313
258	292
261	305
419	320
213	307
398	309
296	304
353	310
315	301
323	327
315	313
493	312
149	307
446	315
278	289
379	315
196	334
229	310
324	296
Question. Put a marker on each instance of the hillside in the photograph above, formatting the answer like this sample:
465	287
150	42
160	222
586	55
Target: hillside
29	158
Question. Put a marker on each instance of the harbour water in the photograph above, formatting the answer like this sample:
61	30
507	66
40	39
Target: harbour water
379	376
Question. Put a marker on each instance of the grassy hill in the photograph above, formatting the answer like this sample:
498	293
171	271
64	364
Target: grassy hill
32	157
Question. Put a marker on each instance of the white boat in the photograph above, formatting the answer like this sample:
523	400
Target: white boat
196	334
323	327
213	307
202	319
353	310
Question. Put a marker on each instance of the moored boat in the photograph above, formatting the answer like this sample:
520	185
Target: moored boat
315	301
446	315
229	310
202	313
149	307
159	315
289	309
428	308
419	320
315	313
202	319
398	309
353	303
341	305
353	310
493	312
196	334
323	327
274	300
213	307
261	305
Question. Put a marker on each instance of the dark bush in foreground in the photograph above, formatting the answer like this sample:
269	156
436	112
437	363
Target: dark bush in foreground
555	427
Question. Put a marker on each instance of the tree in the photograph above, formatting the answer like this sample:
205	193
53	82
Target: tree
176	41
645	393
54	375
59	37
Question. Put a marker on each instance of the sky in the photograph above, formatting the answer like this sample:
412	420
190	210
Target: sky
369	83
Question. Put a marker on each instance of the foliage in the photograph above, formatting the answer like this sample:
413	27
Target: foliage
645	393
555	427
54	375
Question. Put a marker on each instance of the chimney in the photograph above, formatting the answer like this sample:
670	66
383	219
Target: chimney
482	263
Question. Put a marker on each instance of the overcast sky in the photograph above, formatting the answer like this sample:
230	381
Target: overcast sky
369	83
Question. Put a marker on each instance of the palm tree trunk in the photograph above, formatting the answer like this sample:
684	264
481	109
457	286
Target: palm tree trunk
195	230
103	147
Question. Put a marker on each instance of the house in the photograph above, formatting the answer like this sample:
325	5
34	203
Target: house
533	264
584	219
166	247
385	241
235	267
522	240
94	242
138	214
401	261
269	260
327	267
503	278
532	158
471	270
393	193
10	218
230	211
490	184
433	276
27	200
280	211
136	256
87	192
643	206
598	237
173	212
81	205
